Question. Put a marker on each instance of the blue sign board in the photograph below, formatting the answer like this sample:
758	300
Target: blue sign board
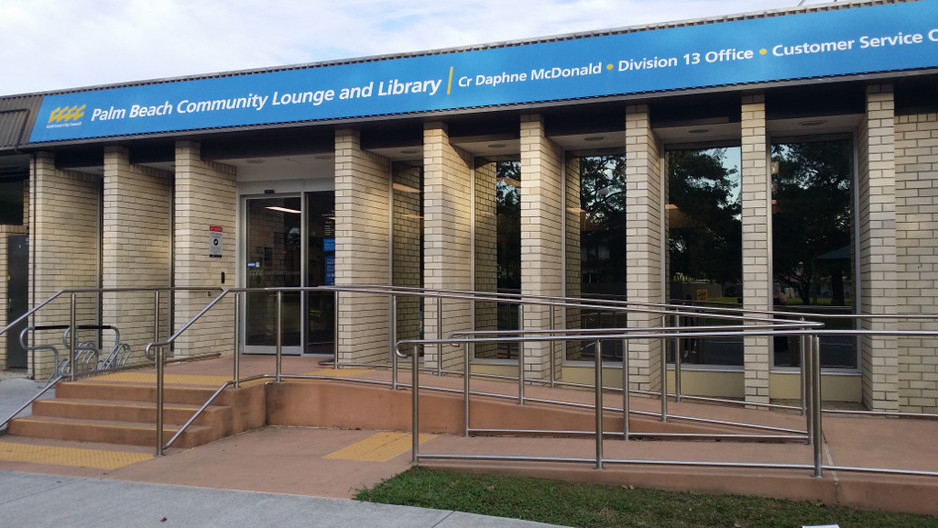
879	38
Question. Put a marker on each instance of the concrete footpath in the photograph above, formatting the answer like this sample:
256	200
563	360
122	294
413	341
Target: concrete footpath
38	501
41	495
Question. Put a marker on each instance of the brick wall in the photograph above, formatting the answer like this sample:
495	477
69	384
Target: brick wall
542	235
362	202
757	236
205	196
574	279
408	229
136	252
486	254
448	178
65	248
877	249
917	257
643	228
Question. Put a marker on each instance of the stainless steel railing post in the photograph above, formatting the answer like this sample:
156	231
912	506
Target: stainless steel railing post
393	345
677	364
159	400
807	374
73	338
279	333
625	389
520	357
156	315
816	414
598	384
415	403
804	380
553	345
237	341
466	376
392	333
664	384
335	332
439	334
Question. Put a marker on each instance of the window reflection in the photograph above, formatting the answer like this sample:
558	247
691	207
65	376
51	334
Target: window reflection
508	243
705	245
602	249
812	232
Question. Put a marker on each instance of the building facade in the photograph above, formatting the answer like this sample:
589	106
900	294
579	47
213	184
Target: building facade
785	161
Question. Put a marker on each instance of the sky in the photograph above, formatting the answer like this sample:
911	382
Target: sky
62	44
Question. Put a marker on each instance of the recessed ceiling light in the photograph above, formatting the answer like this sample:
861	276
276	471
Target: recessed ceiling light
814	123
698	131
594	138
497	145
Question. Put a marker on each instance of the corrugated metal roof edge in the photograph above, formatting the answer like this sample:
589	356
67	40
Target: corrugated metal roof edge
833	6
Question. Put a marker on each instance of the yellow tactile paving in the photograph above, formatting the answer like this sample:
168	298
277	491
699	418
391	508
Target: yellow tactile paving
69	456
170	379
379	447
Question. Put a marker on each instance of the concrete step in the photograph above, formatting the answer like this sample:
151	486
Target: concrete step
107	431
127	411
90	390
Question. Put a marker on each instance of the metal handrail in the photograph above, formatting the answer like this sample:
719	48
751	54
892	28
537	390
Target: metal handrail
69	338
757	326
30	401
814	419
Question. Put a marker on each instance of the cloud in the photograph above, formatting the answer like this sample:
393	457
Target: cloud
51	44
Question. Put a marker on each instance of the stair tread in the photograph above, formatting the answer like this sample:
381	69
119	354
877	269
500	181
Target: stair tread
105	423
128	403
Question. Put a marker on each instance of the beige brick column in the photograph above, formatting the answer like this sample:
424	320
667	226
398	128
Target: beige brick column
362	206
136	241
756	183
877	251
448	181
408	230
644	187
486	253
917	257
574	279
64	247
542	236
205	196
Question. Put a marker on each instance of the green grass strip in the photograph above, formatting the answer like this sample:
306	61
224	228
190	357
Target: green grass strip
607	506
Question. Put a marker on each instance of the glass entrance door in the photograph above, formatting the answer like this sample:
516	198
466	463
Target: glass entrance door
273	257
320	271
289	241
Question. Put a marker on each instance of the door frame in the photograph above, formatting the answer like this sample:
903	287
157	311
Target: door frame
242	277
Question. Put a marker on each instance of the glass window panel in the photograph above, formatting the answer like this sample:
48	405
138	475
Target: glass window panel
603	249
320	269
273	259
813	234
508	228
705	245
